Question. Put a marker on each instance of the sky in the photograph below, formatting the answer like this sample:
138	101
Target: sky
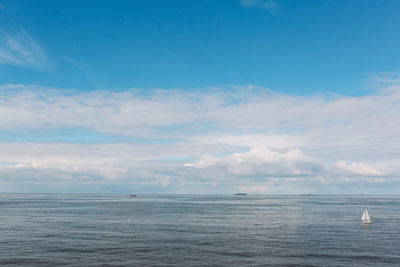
210	97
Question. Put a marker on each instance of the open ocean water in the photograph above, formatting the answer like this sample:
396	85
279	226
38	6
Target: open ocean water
198	230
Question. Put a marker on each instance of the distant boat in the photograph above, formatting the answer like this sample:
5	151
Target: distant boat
365	219
133	195
240	194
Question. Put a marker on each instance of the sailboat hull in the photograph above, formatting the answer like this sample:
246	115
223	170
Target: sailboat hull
366	222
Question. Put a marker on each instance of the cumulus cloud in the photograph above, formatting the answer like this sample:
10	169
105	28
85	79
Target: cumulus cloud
262	162
18	48
265	163
343	168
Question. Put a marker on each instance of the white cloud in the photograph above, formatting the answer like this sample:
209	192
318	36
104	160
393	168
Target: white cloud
20	49
343	168
262	162
253	137
334	128
271	6
262	170
248	3
376	80
265	163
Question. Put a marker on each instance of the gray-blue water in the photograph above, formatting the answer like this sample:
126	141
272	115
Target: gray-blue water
185	230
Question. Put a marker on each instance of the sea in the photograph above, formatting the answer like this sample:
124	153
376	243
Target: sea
198	230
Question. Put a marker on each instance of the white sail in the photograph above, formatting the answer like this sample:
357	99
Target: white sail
365	217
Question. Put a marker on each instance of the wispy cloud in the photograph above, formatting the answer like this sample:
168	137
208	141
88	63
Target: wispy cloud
18	48
2	7
94	79
376	80
270	6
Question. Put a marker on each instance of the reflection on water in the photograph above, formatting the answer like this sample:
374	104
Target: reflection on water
198	230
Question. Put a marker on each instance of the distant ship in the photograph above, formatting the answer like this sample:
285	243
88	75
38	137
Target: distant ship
132	195
240	194
365	219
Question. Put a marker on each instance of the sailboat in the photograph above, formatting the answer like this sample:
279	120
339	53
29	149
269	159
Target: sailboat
365	219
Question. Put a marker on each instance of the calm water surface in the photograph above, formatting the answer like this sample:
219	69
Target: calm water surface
185	230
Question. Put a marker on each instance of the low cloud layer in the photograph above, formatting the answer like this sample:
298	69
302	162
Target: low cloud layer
221	139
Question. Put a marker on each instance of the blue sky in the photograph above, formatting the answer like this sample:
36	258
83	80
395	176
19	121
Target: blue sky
299	47
199	96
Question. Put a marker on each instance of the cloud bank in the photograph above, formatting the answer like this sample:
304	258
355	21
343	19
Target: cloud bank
206	140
